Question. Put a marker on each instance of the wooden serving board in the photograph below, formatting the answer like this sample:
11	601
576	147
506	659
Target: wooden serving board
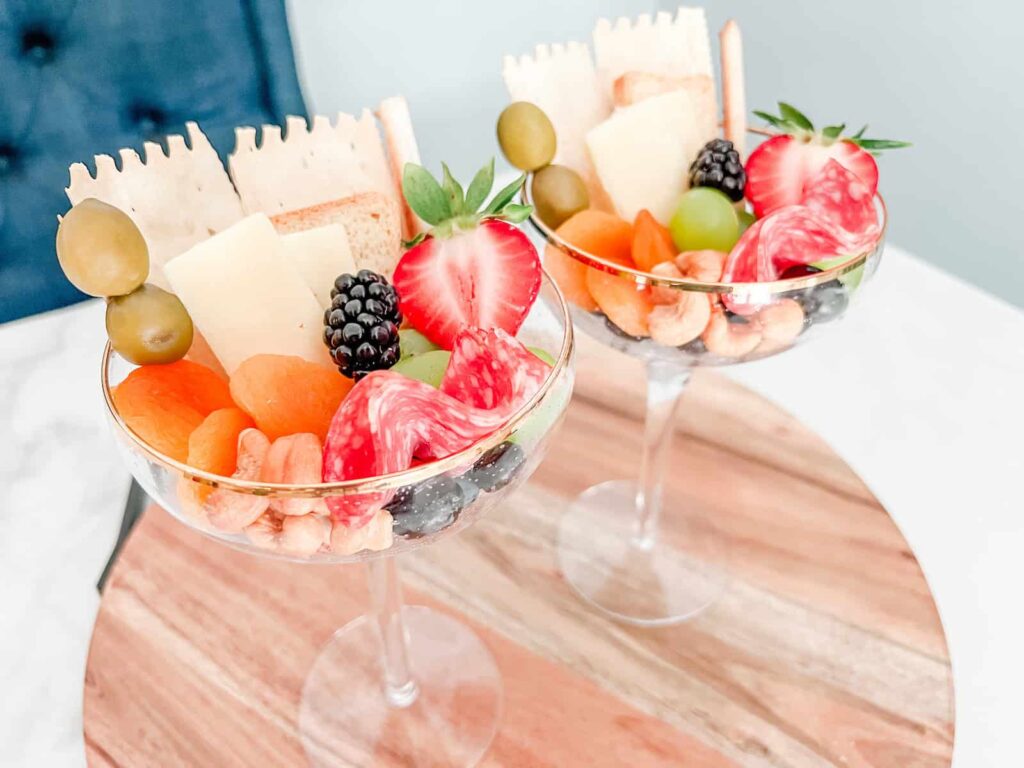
826	651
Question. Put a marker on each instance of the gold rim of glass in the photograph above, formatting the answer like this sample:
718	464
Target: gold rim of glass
387	482
852	263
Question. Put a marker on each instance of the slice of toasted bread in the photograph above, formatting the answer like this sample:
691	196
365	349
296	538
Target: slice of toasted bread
310	164
394	117
372	221
734	97
633	87
176	199
664	45
560	79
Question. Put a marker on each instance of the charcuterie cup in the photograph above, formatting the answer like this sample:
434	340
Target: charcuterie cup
407	682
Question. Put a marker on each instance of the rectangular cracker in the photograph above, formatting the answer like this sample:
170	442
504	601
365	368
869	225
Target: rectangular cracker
176	199
309	164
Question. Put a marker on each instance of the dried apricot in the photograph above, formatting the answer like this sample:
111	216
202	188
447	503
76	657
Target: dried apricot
163	404
286	395
652	242
213	445
596	232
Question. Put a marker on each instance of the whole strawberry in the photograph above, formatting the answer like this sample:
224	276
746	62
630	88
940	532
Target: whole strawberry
780	167
474	267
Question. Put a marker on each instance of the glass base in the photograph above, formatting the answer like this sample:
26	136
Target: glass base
451	720
653	583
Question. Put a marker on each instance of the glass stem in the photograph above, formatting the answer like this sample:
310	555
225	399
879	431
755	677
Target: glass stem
386	598
665	384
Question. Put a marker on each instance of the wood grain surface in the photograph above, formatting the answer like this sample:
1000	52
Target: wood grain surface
826	650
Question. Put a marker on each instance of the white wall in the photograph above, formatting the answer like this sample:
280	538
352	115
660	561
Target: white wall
946	75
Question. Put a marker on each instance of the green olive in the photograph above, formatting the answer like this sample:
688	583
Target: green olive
149	326
101	250
526	136
557	193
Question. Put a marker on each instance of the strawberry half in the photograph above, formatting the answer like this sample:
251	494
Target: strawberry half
473	268
779	169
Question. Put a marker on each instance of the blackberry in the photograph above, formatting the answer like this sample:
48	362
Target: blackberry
718	165
361	327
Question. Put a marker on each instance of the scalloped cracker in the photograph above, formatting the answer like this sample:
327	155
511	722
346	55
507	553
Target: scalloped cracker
675	47
176	199
309	164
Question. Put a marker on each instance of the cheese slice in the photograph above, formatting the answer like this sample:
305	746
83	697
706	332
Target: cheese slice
247	298
320	255
642	154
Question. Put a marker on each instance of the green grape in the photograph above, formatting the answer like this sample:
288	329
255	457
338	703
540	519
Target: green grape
149	326
704	219
101	250
526	136
543	355
746	218
851	279
428	367
558	193
412	342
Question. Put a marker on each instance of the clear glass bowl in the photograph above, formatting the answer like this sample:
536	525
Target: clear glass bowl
406	681
634	555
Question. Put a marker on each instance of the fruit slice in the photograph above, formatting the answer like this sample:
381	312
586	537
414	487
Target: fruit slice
163	404
601	234
487	277
779	169
626	304
475	268
231	511
389	418
213	445
286	395
652	242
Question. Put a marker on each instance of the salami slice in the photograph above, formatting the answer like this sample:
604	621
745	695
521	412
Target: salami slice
839	197
388	419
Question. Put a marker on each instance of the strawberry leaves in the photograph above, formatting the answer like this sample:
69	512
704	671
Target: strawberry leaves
447	208
794	122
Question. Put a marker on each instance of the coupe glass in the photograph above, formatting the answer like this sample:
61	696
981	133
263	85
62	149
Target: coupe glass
623	547
405	684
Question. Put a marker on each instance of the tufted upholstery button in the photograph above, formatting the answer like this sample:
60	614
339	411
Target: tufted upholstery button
148	120
8	155
38	45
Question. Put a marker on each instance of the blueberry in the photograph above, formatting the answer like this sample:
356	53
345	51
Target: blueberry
427	507
469	491
822	303
496	468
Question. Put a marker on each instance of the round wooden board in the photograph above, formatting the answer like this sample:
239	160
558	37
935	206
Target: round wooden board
826	651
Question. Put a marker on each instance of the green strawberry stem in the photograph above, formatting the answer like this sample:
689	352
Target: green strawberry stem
794	122
448	209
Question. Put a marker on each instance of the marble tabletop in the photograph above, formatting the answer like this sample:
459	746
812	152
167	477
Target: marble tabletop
919	391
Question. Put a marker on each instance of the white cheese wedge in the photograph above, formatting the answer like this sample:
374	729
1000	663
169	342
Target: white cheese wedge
320	255
642	154
246	297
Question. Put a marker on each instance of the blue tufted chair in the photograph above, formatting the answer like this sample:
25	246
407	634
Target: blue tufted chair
82	77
